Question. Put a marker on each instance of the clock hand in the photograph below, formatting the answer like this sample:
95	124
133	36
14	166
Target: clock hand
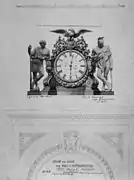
71	70
71	66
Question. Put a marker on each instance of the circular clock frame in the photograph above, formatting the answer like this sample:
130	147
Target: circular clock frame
67	83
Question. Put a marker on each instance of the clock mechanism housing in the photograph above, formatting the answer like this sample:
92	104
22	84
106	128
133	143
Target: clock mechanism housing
70	62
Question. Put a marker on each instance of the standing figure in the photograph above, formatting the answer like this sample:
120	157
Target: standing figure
37	56
104	62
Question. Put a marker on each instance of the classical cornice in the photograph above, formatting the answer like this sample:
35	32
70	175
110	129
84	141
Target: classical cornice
34	115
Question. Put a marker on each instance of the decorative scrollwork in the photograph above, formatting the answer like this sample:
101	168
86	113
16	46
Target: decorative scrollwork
81	45
59	46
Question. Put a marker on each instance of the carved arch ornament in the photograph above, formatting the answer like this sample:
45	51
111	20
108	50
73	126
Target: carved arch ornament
71	144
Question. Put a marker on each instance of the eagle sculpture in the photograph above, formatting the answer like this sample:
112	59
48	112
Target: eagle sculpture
70	33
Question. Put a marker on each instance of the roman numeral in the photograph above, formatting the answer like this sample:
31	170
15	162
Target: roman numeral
76	56
60	60
59	71
82	65
65	55
76	76
81	60
64	76
59	65
70	53
81	71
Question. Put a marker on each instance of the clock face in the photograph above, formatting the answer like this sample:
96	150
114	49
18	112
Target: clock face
70	66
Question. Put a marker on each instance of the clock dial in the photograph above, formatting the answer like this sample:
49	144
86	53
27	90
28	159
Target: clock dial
70	66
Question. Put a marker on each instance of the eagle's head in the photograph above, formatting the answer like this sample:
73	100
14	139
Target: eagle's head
71	32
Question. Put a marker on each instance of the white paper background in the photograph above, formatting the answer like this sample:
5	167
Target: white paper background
18	30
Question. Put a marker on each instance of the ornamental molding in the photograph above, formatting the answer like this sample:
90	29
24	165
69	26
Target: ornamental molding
64	114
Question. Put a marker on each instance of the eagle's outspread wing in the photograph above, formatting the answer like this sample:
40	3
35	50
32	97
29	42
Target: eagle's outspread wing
60	31
81	31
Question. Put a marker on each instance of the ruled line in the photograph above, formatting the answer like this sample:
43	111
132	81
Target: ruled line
71	6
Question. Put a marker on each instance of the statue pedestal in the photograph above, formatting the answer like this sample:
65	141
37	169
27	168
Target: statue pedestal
33	92
107	93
